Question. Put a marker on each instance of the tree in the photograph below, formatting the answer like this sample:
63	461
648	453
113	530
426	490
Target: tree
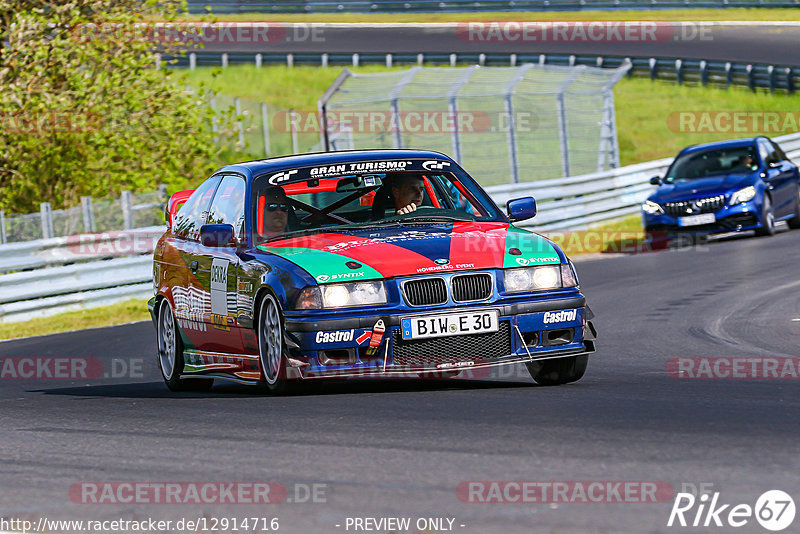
84	111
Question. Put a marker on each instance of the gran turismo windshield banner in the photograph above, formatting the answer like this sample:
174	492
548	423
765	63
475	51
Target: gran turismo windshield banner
358	167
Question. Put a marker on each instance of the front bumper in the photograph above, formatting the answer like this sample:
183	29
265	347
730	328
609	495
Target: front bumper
526	332
738	218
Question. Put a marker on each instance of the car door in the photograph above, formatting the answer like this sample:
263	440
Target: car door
217	272
779	178
186	291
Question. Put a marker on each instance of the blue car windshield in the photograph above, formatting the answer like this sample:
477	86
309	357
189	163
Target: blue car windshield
367	199
713	162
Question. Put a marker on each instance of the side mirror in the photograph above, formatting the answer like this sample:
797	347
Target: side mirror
520	209
216	235
655	180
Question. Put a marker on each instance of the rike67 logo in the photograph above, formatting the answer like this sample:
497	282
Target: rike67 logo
774	510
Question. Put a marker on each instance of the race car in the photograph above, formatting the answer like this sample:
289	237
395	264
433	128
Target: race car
374	263
727	186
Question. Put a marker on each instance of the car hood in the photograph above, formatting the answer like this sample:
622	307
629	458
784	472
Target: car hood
376	252
705	187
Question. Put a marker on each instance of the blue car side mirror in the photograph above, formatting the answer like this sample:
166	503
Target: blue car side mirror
216	235
520	209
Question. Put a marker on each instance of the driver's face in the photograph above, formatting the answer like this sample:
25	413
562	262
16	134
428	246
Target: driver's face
407	192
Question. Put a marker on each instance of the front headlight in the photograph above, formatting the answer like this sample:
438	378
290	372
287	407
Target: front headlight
538	278
652	208
342	295
743	195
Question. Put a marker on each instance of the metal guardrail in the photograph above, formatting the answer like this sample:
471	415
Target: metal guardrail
87	270
692	71
578	201
421	6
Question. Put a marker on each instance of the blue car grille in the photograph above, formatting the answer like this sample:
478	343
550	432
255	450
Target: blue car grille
452	349
426	291
694	206
471	287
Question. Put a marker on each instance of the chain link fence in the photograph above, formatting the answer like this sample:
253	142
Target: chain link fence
505	124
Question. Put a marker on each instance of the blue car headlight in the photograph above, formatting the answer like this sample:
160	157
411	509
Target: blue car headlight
652	208
539	278
342	295
743	195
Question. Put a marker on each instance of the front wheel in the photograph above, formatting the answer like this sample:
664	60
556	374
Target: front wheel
170	354
767	219
270	347
559	370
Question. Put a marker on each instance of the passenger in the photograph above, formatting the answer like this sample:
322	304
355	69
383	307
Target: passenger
276	211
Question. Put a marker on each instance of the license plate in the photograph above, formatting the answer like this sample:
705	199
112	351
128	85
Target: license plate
694	220
452	324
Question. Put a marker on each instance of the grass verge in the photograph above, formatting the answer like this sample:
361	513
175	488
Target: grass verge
123	312
743	14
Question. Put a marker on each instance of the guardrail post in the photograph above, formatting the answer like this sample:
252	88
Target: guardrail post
728	74
290	60
88	215
389	59
237	102
355	60
653	71
600	60
751	77
293	118
453	59
481	59
158	61
420	59
192	61
2	227
259	60
572	61
126	202
324	61
679	71
771	74
47	220
630	70
512	60
789	80
224	59
542	59
704	73
265	128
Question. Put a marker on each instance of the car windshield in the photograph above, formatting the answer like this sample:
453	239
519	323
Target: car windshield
714	162
309	206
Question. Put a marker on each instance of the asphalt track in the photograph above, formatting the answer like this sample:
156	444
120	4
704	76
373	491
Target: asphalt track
401	448
766	42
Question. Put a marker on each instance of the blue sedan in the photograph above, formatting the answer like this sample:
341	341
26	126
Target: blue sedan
729	186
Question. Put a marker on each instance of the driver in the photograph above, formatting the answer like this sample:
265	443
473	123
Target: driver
407	191
276	211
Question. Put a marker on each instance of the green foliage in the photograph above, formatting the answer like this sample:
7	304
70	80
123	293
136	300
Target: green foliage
84	111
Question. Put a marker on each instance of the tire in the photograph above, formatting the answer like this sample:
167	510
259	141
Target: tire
271	353
170	354
559	370
767	219
794	222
